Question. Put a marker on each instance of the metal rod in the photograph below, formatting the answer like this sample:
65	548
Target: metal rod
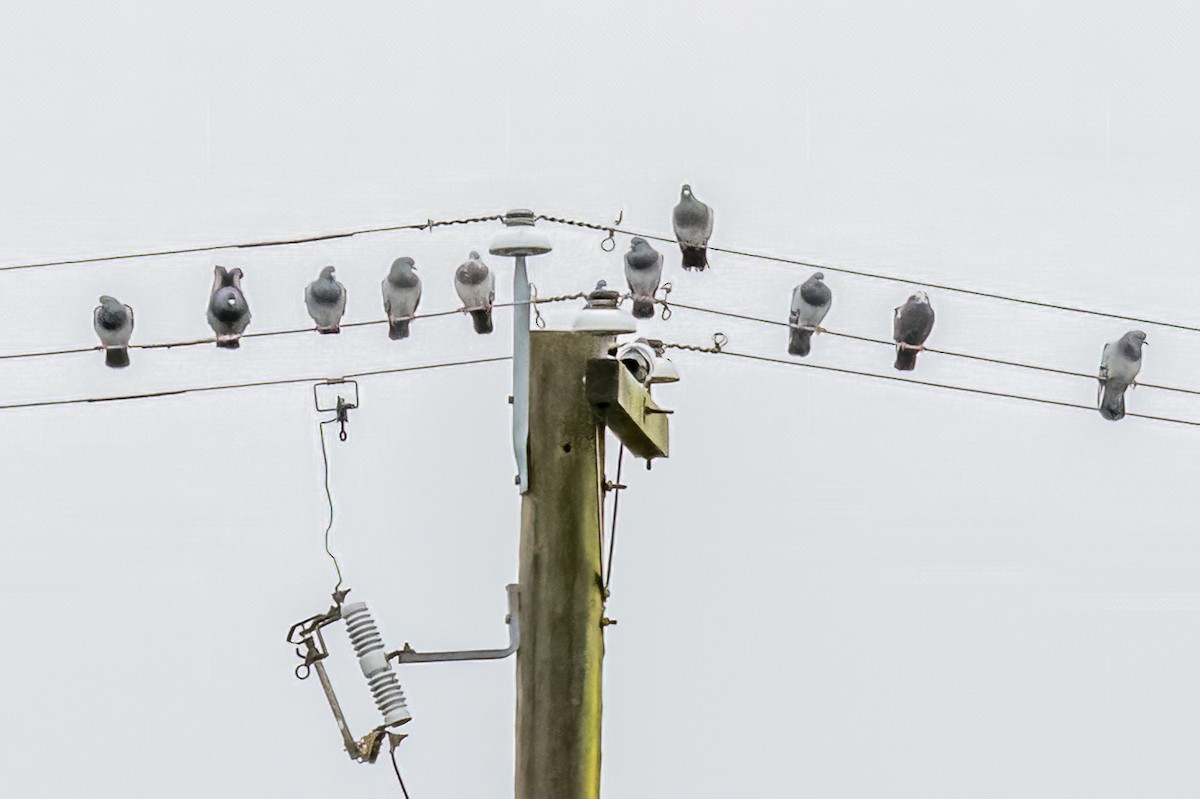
409	655
521	372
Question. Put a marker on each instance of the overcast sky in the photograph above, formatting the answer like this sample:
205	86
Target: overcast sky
835	587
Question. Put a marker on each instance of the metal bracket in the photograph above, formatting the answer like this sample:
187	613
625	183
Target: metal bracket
342	408
410	655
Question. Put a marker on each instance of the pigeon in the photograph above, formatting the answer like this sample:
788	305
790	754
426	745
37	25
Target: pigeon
401	296
643	271
228	311
325	298
693	225
638	357
810	302
911	326
114	325
476	287
1119	367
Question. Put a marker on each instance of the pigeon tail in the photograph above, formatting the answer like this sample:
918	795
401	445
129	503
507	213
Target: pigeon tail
116	357
398	328
482	320
694	257
228	342
1112	404
906	359
329	329
643	307
801	343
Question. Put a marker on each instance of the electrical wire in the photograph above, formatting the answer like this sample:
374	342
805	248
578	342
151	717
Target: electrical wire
329	498
252	384
612	229
428	224
396	768
612	536
927	383
952	353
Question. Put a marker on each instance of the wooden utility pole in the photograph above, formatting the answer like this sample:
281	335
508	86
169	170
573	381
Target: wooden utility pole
562	646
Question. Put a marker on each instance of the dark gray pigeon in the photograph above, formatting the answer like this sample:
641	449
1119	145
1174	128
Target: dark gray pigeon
114	325
228	311
476	287
810	302
1119	367
401	296
693	222
643	271
911	325
325	299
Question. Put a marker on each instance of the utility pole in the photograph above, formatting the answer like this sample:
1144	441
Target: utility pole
562	604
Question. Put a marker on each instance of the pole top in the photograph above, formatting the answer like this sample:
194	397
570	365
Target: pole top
519	236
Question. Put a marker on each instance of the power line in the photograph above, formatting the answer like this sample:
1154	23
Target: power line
286	332
927	383
252	384
428	224
612	229
952	353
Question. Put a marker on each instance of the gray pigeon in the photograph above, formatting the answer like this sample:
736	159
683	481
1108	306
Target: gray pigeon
638	357
643	271
693	226
228	311
401	296
114	325
325	299
1119	367
911	325
810	302
476	287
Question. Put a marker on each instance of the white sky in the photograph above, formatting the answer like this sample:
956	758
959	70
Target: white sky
834	587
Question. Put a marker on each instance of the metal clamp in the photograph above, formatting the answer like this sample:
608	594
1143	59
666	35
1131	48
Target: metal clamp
342	408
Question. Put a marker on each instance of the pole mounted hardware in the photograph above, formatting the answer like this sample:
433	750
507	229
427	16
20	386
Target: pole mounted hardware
410	655
625	406
342	407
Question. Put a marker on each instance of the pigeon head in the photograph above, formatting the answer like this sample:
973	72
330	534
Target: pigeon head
327	273
474	256
401	268
685	192
1136	337
920	297
109	303
636	241
818	276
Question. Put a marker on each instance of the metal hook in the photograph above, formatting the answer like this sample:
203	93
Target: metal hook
665	288
719	341
537	312
610	243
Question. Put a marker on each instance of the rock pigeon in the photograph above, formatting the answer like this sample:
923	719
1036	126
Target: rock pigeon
911	326
325	299
401	296
114	325
228	311
476	287
693	226
643	271
1119	367
810	302
638	357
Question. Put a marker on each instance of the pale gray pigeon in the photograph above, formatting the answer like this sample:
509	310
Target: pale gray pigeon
114	325
1119	367
911	325
401	296
476	287
810	302
325	299
638	357
643	271
228	311
693	222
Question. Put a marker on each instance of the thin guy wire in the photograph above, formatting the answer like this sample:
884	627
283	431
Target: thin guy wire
930	384
612	536
428	224
879	276
329	497
399	779
952	353
601	477
287	332
253	384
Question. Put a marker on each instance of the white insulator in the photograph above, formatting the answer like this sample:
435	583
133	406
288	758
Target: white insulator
372	659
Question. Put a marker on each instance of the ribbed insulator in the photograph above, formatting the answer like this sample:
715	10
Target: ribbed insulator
368	645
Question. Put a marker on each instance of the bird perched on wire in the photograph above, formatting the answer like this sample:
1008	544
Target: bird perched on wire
638	357
228	311
325	299
643	271
114	325
810	302
401	296
476	287
1119	367
911	325
693	221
